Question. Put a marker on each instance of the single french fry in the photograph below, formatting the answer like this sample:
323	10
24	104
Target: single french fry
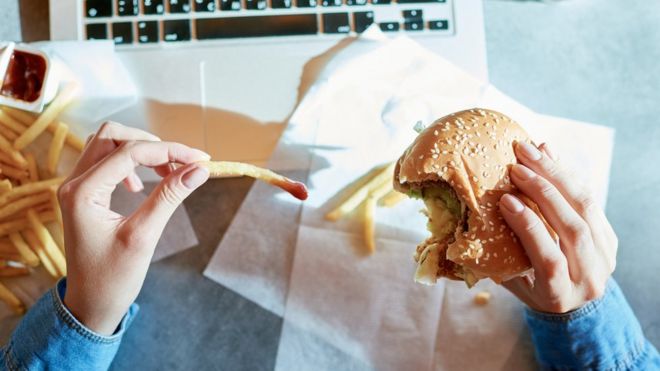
34	243
18	225
6	159
220	169
24	249
12	172
360	194
47	116
369	223
23	203
58	218
14	154
33	169
5	186
392	198
74	141
8	297
10	271
47	242
10	122
30	188
55	149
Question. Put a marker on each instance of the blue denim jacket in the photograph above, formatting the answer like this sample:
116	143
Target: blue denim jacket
602	335
50	337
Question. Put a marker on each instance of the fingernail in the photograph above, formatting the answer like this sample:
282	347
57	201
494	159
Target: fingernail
195	177
548	151
522	172
529	151
512	204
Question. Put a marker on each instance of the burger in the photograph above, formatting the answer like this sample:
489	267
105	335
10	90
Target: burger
459	167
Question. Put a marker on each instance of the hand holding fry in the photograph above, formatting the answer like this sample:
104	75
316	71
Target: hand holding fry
97	238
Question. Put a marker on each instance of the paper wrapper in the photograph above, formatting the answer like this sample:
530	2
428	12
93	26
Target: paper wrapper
343	309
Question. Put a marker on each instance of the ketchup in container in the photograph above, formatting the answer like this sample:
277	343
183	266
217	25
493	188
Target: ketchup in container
25	76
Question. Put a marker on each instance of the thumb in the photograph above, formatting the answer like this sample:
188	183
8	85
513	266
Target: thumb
156	211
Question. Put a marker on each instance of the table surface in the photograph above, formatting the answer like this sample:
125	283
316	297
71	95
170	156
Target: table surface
590	60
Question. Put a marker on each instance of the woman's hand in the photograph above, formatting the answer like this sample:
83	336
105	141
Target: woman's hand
108	254
575	271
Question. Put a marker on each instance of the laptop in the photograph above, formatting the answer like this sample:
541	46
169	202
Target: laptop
224	75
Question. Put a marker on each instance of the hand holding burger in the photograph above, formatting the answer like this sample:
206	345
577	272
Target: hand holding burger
529	226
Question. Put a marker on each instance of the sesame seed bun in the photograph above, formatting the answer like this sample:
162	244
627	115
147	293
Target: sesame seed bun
471	152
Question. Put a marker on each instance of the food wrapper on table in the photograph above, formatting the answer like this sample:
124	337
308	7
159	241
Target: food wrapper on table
343	308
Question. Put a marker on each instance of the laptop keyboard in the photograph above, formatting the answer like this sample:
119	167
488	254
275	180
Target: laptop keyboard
144	22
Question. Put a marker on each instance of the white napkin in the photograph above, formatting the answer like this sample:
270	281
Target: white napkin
340	307
106	86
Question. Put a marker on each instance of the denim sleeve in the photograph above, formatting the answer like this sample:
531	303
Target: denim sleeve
602	335
50	337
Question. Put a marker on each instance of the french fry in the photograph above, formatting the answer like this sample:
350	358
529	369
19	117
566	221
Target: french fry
14	154
10	122
24	249
58	218
369	209
9	271
21	119
29	188
47	242
12	172
392	198
8	297
36	246
18	225
219	169
355	199
47	116
25	119
11	255
55	149
5	186
5	158
23	203
8	133
32	168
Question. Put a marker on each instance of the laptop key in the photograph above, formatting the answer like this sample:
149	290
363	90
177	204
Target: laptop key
230	4
389	26
356	2
176	30
440	24
127	7
336	23
147	32
280	4
306	3
412	14
257	26
331	3
98	8
97	31
122	33
179	6
362	20
413	25
153	7
255	4
205	5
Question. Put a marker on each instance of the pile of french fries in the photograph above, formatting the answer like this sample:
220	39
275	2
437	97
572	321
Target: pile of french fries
377	189
30	216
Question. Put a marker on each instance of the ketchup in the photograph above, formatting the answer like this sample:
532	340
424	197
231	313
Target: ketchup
25	76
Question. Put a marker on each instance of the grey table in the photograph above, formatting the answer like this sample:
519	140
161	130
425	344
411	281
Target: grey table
591	60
